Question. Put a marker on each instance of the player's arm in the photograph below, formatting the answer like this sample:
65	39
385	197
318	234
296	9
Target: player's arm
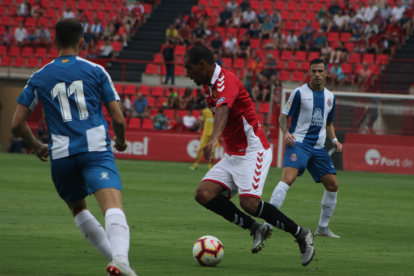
20	126
220	121
118	125
287	137
330	131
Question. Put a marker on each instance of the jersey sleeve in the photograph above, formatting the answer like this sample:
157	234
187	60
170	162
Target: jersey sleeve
293	104
108	91
331	114
29	96
227	92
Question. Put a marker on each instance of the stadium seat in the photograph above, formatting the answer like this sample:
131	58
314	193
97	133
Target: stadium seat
264	108
197	113
151	69
153	111
286	55
242	31
233	31
260	53
179	70
5	20
310	15
170	113
290	25
147	8
281	65
274	53
296	15
267	5
345	37
33	63
292	6
57	4
254	43
332	37
316	25
313	55
375	69
119	88
157	91
30	22
43	21
255	4
96	6
239	63
108	6
297	76
305	7
305	66
292	65
381	59
368	58
5	61
151	101
101	15
280	6
27	52
50	13
134	123
2	29
71	4
158	58
130	89
227	62
83	5
19	62
181	113
180	50
350	46
16	20
117	46
161	101
354	58
3	50
210	11
221	31
53	53
144	90
147	124
14	51
285	14
301	25
284	75
45	61
300	56
346	68
316	6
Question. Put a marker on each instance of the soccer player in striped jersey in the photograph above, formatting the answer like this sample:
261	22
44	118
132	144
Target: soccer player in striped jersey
71	90
312	109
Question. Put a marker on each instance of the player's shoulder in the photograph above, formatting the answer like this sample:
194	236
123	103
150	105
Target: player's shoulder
328	93
44	70
298	91
91	65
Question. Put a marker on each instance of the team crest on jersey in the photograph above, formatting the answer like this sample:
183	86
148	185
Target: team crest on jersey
293	158
287	106
329	102
222	99
317	118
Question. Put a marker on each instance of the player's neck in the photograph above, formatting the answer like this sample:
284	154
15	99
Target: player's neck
68	52
210	75
314	87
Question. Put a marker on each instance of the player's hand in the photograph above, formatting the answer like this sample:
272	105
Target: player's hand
208	150
338	147
42	152
120	146
289	139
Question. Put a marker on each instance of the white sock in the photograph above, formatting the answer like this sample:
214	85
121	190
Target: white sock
328	206
117	230
94	233
279	194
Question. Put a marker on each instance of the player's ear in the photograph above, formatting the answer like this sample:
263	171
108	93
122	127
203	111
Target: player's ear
202	63
55	43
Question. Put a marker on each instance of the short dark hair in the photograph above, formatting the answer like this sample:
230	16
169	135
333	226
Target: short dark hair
68	33
318	61
197	53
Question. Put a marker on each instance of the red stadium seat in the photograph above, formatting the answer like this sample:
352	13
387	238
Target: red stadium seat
274	53
117	46
170	113
57	4
157	91
3	50
179	70
284	76
350	46
254	43
151	69
281	65
16	20
210	11
234	31
354	58
147	8
345	37
46	3
227	62
7	2
53	53
33	63
96	6
2	10
292	6
108	6
267	5
144	90
310	15
158	58
286	55
147	124
27	52
2	29
88	14
14	51
290	25
50	13
304	7
260	117
101	15
346	68
301	25
161	101
292	65
151	101
316	6
83	5
375	69
43	21
30	22
242	31
221	31
12	11
260	53
134	123
239	63
285	15
305	66
181	113
19	62
130	89
216	3
368	58
5	20
300	56
280	6
119	88
5	61
313	55
255	4
45	61
332	37
180	50
382	59
264	108
297	76
296	15
266	42
316	25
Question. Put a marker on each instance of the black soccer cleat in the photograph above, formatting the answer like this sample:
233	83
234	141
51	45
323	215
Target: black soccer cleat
260	234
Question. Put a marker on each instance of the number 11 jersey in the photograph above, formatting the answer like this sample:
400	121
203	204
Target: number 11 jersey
71	90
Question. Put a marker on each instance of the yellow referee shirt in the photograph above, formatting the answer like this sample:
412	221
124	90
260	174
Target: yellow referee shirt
208	122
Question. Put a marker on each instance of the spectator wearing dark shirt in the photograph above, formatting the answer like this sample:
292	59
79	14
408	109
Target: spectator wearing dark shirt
224	16
184	35
198	34
200	98
270	71
179	125
319	41
261	92
244	5
334	8
262	15
244	48
304	41
379	22
216	45
88	36
160	120
169	58
406	24
267	29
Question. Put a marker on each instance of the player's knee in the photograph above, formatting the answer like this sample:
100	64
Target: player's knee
76	208
289	179
249	205
332	186
202	196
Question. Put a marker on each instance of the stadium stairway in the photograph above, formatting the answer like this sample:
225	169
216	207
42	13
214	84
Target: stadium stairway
149	39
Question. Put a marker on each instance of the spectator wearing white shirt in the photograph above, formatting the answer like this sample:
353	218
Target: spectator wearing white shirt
230	45
386	12
361	9
249	16
370	28
43	35
291	41
20	34
370	11
24	8
189	120
97	28
339	22
85	24
397	11
232	5
106	50
68	13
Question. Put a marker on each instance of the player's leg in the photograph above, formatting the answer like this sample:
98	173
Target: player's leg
72	188
203	142
321	168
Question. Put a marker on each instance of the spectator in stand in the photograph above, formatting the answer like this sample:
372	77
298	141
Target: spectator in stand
97	28
406	24
106	50
255	67
249	17
361	45
270	71
169	59
88	36
224	16
190	121
357	30
201	12
339	54
232	6
324	22
68	13
129	22
125	7
32	38
387	44
373	43
7	36
277	92
236	20
276	19
386	12
245	5
199	100
172	101
85	24
326	50
304	43
395	31
179	125
20	34
353	17
160	121
139	12
184	35
43	35
187	99
254	29
334	8
37	9
369	28
262	15
230	45
199	35
309	30
363	74
261	92
171	34
125	105
122	34
379	22
339	22
370	11
347	7
319	41
24	9
91	49
109	31
216	45
140	107
266	30
337	76
278	39
351	77
291	41
361	10
243	51
397	12
178	23
192	20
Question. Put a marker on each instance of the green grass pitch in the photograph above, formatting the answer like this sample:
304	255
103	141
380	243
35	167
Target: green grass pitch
374	217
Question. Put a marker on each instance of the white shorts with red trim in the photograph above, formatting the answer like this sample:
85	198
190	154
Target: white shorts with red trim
243	174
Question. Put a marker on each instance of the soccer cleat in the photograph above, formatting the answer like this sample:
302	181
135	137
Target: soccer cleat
325	232
193	168
116	268
306	245
260	234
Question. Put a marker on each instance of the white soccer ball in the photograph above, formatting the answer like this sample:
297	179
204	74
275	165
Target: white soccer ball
208	251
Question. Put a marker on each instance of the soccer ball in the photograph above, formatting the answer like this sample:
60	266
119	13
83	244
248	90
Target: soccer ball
208	251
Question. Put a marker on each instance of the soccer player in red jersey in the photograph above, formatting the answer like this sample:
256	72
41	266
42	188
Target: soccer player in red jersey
245	165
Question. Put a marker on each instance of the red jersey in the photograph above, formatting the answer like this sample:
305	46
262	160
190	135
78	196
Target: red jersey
200	14
394	31
243	132
124	10
138	10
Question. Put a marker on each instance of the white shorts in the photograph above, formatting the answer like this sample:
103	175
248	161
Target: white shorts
244	174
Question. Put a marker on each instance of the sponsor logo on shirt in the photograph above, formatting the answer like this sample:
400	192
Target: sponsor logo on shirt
317	118
293	158
104	175
287	106
222	99
329	102
65	61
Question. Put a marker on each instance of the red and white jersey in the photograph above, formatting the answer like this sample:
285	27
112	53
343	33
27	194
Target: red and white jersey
124	10
243	132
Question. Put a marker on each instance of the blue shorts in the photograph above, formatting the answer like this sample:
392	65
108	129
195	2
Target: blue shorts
317	161
82	174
